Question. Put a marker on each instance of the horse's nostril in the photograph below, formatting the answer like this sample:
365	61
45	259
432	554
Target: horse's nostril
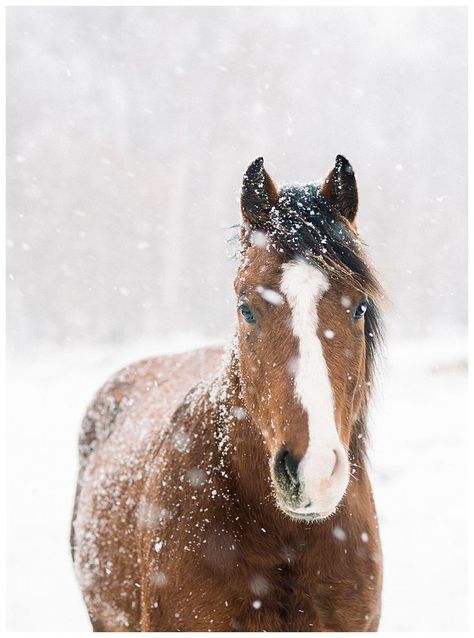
287	466
291	466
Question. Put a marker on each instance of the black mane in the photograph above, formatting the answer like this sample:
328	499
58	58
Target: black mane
303	225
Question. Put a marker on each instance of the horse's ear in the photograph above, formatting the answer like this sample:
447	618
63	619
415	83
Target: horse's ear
340	189
259	194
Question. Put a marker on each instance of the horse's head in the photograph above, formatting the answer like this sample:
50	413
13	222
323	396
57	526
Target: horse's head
307	326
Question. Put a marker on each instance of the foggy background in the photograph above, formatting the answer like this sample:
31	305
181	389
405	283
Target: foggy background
129	130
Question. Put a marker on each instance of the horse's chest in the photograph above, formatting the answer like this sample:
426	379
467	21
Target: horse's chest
305	602
247	592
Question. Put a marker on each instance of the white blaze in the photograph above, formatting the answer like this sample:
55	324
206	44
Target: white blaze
304	285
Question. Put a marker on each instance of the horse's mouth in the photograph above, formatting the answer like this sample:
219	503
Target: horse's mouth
313	516
298	513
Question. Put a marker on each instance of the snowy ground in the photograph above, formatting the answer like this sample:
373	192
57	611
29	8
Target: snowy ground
419	468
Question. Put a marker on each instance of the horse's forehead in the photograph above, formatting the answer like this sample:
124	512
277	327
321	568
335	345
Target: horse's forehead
261	264
263	267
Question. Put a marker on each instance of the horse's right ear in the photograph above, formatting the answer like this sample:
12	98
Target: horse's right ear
340	189
259	194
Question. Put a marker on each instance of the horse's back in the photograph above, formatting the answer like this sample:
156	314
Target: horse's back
144	394
121	432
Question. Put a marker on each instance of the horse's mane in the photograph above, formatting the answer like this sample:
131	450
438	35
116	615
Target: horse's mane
302	225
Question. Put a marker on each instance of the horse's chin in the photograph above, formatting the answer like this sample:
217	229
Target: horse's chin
300	514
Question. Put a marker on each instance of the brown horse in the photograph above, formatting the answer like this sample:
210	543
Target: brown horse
235	496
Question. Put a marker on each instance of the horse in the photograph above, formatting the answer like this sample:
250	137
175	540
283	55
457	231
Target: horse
226	489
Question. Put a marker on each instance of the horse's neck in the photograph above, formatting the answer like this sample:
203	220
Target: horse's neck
237	443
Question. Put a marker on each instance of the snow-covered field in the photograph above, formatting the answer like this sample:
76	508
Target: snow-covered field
419	468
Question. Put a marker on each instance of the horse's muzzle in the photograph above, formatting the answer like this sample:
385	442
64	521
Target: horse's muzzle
303	492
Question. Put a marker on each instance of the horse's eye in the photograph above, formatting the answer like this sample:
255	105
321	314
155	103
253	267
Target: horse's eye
246	313
359	312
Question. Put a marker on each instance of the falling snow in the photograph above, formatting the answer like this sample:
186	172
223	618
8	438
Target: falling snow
272	296
259	239
339	533
123	173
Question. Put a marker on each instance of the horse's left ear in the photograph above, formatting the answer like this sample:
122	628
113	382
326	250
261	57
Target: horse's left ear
259	194
340	189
